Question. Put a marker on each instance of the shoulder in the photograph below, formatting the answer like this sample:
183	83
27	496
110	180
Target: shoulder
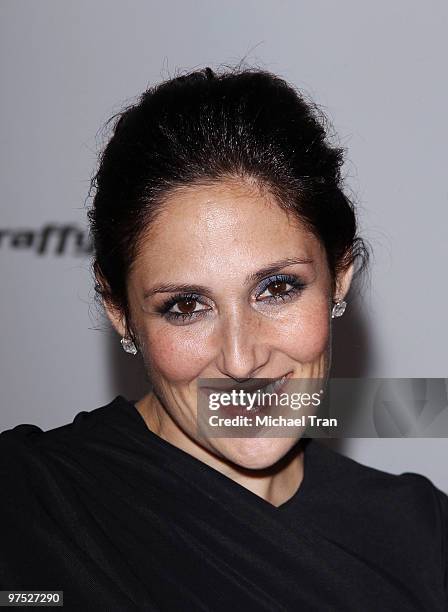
27	452
26	435
404	514
411	493
43	471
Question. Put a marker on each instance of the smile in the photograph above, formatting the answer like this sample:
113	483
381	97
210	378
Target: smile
267	385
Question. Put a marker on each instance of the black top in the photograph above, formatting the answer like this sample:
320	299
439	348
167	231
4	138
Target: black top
120	519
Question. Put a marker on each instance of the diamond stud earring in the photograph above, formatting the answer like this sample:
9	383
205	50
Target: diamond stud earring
128	346
338	309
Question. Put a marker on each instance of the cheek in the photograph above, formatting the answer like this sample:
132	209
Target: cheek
305	334
176	354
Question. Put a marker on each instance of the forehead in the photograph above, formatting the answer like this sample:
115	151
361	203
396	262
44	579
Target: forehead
232	222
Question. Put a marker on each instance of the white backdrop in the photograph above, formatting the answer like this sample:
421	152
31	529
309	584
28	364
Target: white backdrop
378	70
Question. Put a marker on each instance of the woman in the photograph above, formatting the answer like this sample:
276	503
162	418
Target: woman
224	250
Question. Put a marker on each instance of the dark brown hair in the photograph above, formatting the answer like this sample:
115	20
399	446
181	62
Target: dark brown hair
205	127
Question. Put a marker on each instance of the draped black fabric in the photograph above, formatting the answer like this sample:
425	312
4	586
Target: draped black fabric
120	519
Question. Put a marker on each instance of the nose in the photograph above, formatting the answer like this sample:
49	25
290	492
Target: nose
244	346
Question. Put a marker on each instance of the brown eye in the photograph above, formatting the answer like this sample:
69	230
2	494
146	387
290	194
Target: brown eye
183	308
186	306
277	287
281	289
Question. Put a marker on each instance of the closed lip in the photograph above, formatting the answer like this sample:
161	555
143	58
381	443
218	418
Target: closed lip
253	384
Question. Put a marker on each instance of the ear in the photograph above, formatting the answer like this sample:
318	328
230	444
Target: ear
114	315
116	318
343	283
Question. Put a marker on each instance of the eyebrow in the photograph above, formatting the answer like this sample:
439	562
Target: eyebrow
272	268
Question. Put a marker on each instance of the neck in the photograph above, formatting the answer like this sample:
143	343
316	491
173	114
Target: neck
275	484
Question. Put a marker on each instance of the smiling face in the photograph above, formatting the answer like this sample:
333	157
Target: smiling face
226	285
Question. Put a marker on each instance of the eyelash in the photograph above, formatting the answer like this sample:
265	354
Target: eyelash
297	287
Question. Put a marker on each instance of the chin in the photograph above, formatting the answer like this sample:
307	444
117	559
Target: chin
256	453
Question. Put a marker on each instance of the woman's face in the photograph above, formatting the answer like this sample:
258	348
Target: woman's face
235	250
